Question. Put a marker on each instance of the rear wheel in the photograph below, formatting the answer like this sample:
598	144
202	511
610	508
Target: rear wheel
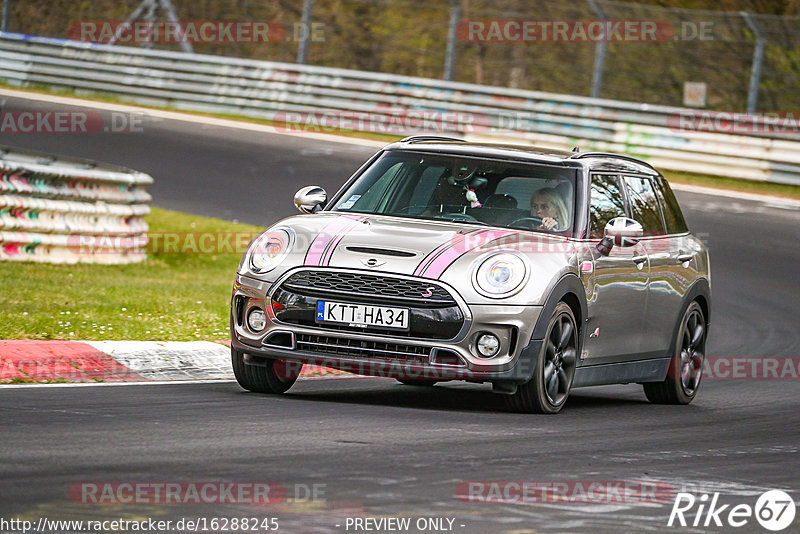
686	365
416	382
547	391
273	376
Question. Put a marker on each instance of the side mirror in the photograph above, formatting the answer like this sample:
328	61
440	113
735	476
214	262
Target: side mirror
622	232
310	199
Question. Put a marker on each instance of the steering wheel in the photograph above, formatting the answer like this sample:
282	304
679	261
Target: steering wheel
528	223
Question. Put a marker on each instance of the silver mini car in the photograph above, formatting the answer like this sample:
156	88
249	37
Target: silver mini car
534	270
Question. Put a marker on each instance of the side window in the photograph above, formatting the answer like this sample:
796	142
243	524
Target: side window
673	216
644	205
606	203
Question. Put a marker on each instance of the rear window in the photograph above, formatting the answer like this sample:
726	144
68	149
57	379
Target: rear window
644	204
673	217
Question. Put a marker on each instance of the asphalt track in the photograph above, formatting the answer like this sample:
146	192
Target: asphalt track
380	449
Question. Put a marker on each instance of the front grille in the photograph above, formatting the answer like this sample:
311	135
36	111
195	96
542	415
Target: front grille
362	349
369	287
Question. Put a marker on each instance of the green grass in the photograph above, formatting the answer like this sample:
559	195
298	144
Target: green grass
32	381
170	297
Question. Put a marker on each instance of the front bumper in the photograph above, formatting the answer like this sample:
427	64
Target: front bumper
378	354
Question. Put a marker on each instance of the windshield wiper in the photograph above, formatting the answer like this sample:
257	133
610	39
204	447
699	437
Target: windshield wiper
458	219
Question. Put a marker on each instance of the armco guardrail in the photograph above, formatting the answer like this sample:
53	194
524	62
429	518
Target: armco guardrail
66	210
395	104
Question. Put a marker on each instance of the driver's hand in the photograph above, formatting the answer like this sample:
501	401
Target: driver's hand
548	223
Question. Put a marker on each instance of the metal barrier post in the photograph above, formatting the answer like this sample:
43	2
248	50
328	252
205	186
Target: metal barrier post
450	57
599	54
6	13
302	51
758	61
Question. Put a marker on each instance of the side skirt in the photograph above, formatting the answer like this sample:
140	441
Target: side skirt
654	370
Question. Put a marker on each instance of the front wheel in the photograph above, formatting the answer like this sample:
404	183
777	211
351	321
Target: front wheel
271	376
686	365
547	391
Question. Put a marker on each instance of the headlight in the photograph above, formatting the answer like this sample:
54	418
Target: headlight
268	250
500	274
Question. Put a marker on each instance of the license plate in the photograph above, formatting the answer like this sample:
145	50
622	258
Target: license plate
362	315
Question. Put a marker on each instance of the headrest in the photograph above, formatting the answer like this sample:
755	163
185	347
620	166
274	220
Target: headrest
500	200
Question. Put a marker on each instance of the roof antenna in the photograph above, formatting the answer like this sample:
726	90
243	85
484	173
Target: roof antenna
575	149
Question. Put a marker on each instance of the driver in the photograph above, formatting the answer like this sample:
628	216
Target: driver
547	205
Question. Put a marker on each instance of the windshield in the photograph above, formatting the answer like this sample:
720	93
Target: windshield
466	190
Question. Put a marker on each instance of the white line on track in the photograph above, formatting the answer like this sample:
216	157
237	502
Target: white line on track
164	382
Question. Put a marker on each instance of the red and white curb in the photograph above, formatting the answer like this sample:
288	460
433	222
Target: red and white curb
123	361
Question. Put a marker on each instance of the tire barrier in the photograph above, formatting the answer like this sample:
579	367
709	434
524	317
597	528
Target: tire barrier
68	210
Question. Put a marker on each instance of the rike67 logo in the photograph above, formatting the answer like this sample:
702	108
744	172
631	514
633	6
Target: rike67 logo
774	510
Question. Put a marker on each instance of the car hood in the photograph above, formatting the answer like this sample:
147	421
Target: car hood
437	250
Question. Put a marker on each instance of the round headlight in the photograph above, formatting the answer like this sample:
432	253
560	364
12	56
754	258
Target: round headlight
268	250
500	274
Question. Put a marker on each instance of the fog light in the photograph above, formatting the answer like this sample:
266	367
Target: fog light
256	320
488	345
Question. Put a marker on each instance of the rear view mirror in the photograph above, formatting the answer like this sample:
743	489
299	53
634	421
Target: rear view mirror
620	232
310	199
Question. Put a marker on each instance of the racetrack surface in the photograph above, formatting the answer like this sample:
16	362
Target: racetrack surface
383	449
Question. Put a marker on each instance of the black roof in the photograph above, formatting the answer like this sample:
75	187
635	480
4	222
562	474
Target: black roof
452	145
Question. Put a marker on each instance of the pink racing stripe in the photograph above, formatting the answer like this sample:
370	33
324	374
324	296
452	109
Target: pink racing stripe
469	242
59	360
322	246
326	260
455	241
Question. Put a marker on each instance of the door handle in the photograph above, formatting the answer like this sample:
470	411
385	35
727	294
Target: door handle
685	257
638	260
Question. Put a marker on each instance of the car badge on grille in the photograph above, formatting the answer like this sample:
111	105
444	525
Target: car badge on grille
429	291
372	262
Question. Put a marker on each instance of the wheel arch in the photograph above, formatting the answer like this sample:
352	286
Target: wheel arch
569	290
699	291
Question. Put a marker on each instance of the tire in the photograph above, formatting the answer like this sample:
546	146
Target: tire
555	367
686	365
416	382
274	376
